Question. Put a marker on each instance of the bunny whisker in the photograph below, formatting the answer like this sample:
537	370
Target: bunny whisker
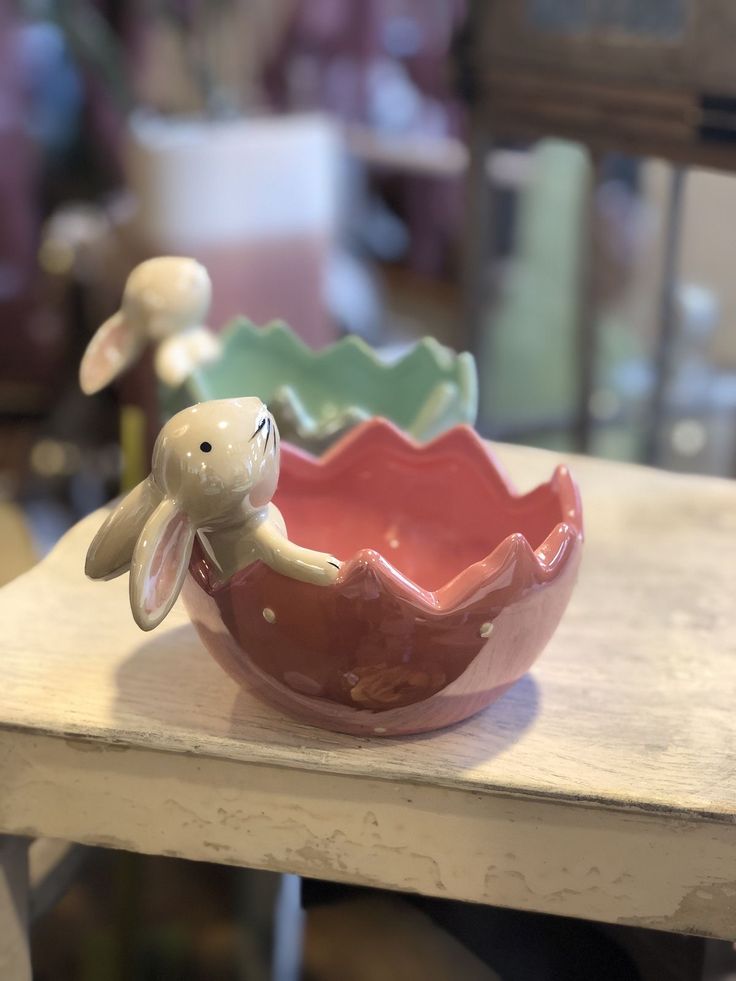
259	427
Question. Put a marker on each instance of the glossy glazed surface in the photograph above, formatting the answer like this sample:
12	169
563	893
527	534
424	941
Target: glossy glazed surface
450	586
165	302
214	471
317	395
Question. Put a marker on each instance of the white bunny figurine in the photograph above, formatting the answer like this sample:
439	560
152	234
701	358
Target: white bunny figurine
214	472
165	302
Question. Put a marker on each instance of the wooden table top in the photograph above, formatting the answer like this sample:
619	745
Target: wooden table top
602	785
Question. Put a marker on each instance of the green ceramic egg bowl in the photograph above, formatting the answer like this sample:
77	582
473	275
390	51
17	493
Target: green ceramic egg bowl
317	395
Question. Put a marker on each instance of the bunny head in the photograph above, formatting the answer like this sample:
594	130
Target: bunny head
162	297
218	459
215	467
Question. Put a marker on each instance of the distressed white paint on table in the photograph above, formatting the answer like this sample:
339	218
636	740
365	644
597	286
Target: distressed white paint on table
602	785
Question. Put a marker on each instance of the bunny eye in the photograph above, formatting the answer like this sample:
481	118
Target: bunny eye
205	447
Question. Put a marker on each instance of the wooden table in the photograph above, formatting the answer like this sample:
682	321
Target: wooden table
603	785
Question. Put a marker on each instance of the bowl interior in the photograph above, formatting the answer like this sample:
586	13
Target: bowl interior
431	516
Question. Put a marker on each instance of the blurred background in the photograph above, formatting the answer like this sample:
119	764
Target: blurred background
547	185
341	165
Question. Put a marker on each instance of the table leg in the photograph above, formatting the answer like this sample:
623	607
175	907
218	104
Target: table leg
719	961
271	926
587	326
15	955
665	355
478	245
288	931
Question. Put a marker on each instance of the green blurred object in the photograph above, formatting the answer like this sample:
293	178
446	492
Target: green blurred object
529	357
316	396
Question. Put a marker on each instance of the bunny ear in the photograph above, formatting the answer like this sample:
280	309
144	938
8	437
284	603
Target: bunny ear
113	348
111	550
159	565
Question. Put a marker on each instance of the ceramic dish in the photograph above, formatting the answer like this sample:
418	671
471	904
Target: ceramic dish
316	396
450	586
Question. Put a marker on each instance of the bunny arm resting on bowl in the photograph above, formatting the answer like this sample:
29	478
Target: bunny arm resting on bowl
215	469
165	303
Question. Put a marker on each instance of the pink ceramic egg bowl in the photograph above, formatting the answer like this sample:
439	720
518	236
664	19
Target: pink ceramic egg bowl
451	584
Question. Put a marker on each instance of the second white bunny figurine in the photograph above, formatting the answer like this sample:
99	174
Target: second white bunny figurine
215	469
165	303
